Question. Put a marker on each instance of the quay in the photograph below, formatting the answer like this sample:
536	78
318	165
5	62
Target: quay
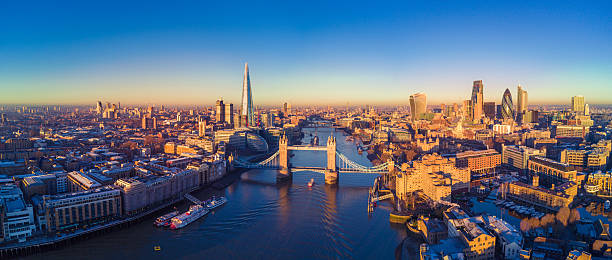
45	243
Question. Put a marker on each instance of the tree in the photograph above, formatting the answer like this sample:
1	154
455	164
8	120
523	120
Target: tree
563	216
534	223
548	219
574	216
525	225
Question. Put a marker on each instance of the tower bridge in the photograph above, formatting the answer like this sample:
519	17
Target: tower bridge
336	162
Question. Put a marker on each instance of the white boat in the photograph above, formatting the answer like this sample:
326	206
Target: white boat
215	202
164	220
195	212
607	205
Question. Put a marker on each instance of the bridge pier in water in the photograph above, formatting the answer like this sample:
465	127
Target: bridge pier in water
331	173
283	152
284	175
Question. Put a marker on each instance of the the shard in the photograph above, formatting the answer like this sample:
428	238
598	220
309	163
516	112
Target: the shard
247	113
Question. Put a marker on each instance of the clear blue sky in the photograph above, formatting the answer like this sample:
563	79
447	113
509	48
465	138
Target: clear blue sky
303	52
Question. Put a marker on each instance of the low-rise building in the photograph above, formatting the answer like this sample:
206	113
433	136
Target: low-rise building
552	199
433	230
77	209
16	217
553	171
479	162
518	156
594	159
509	239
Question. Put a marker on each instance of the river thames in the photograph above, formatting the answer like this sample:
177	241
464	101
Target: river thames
266	220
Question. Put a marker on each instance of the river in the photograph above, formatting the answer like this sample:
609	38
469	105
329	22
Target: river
266	220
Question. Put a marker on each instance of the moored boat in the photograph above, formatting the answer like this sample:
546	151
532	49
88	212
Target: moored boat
164	221
195	212
215	202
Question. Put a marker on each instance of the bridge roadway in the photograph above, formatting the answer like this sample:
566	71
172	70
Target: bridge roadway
307	148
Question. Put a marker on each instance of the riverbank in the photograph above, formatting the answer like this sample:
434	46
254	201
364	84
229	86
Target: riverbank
44	243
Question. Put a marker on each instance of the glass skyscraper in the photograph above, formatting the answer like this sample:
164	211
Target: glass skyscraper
246	110
507	107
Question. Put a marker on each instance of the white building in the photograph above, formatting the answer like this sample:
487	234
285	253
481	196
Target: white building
18	217
508	237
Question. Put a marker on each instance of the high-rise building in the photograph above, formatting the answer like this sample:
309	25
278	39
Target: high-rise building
578	104
285	109
229	114
220	111
587	111
247	107
489	109
467	109
418	105
507	111
202	128
521	104
149	123
477	100
99	107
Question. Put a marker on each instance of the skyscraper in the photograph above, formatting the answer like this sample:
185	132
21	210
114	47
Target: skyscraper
578	104
229	114
220	112
489	109
521	104
477	100
247	98
507	109
418	105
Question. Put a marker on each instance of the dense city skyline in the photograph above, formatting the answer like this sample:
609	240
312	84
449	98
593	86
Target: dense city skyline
322	53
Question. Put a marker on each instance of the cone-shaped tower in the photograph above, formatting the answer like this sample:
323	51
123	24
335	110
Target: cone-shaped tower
247	113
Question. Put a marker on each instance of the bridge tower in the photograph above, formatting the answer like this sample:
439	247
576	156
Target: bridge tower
283	159
331	173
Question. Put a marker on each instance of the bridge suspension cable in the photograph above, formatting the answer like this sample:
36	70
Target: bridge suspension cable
348	165
270	162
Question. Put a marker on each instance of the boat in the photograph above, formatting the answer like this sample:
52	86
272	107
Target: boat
607	205
215	202
164	221
311	183
195	212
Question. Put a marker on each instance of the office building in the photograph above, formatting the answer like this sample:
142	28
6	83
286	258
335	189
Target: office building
247	107
229	114
553	171
518	156
592	159
74	210
149	123
220	111
477	100
418	105
571	131
507	111
479	162
521	104
489	109
578	105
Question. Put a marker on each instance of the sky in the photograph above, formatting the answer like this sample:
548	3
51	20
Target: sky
303	52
